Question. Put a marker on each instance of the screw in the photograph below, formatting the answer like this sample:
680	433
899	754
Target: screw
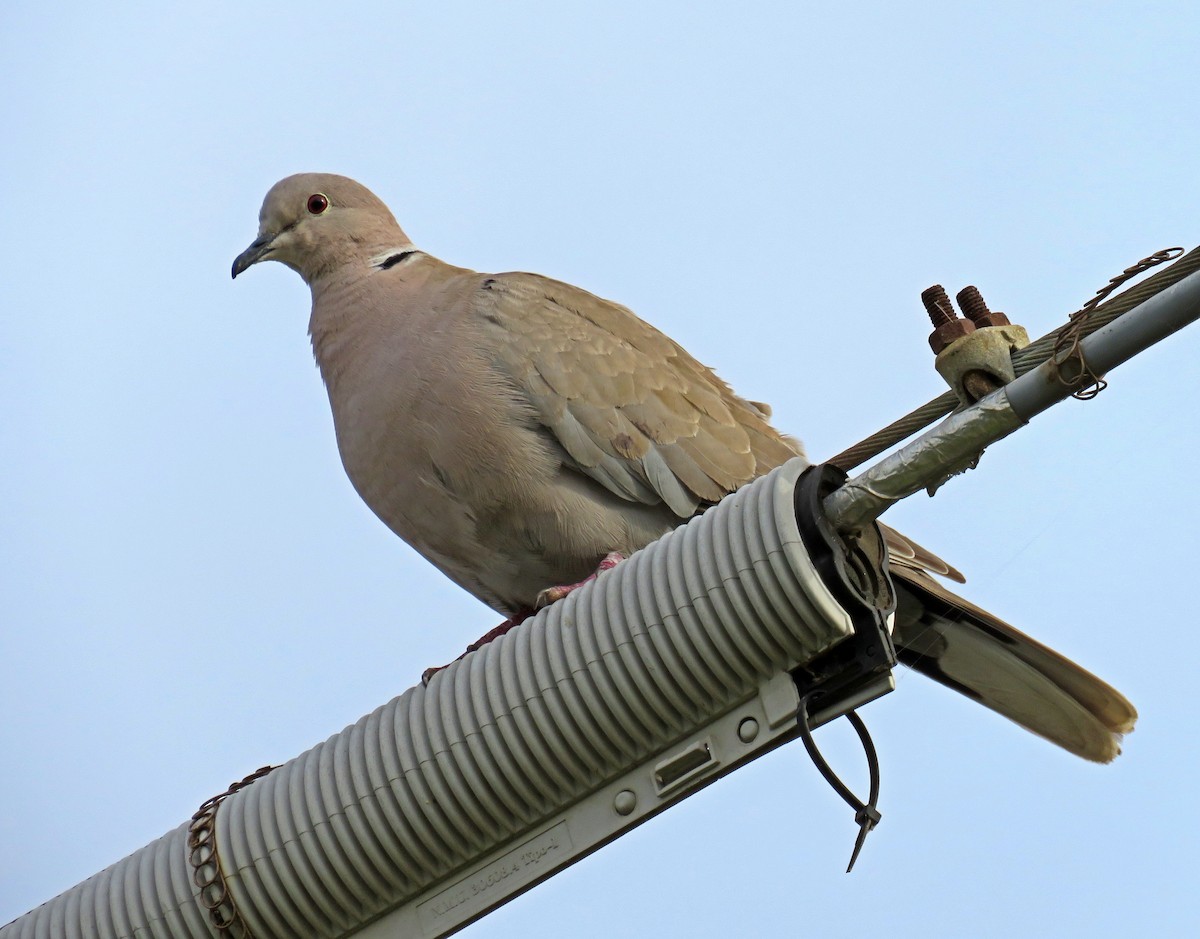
937	305
947	325
972	303
974	307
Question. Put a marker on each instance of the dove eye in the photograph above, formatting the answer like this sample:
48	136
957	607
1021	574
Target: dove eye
317	203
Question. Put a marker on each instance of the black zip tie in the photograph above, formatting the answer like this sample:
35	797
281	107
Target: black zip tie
866	815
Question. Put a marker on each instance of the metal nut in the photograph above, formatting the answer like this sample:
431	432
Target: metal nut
948	332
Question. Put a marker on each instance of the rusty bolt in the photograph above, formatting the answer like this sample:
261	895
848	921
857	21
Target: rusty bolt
972	303
974	307
947	326
937	305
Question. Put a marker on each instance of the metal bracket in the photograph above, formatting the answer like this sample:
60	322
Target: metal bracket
979	363
854	568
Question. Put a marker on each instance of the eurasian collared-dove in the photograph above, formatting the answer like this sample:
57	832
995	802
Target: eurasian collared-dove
515	430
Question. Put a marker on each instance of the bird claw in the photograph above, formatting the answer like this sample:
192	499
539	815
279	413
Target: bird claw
545	598
554	594
483	640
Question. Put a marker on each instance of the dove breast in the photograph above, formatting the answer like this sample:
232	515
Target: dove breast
446	447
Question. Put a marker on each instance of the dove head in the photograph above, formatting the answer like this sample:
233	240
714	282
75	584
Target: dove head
317	222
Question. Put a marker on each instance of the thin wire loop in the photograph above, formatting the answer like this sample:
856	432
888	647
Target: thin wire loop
206	864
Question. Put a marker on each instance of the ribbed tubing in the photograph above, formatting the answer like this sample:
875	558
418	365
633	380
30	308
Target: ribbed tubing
498	743
148	894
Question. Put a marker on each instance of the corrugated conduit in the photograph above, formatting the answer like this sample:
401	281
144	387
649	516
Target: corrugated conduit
498	743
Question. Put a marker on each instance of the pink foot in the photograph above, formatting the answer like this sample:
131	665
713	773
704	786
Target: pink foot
554	594
483	640
545	598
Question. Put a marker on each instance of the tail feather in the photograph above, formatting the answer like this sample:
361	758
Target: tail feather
968	649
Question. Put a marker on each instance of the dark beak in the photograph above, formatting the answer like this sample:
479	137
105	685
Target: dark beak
259	249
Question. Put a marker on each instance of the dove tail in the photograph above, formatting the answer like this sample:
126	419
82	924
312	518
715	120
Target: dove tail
956	643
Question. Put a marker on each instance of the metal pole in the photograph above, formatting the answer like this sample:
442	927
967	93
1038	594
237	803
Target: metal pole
955	443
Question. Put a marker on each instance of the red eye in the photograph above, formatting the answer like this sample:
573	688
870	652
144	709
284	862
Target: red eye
317	203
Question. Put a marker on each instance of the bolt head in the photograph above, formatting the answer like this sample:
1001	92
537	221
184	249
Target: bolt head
747	730
625	802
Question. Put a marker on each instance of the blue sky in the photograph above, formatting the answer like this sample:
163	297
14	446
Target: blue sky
191	588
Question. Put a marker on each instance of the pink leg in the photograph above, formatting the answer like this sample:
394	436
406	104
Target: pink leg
515	620
553	594
545	598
